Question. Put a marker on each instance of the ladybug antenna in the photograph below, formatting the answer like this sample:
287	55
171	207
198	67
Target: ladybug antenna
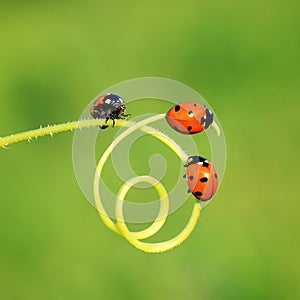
216	128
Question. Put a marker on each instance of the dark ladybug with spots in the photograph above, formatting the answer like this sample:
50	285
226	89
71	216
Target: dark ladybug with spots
201	177
189	117
108	106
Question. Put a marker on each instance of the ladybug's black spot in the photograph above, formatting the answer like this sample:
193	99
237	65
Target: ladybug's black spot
189	128
177	108
198	194
191	177
195	104
216	175
205	164
204	179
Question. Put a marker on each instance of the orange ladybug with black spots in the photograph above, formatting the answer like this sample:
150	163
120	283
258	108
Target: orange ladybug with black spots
201	177
189	117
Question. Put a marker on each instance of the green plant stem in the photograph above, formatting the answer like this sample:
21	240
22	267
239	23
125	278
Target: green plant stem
120	227
53	129
69	126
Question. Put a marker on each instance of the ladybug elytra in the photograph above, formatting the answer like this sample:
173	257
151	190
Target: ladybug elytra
189	117
201	177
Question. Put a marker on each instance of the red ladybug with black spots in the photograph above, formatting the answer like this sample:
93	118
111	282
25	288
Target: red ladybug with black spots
108	106
189	117
201	177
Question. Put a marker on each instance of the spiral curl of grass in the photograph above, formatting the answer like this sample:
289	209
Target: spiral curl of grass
120	226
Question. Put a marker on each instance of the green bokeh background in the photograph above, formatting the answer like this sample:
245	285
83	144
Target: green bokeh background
242	56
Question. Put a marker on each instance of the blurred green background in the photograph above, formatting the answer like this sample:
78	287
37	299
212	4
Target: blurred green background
242	56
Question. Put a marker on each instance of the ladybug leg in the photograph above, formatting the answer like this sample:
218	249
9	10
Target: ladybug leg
123	116
184	176
104	126
113	119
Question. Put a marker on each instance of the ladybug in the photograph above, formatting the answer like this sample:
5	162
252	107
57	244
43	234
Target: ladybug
201	177
108	106
189	117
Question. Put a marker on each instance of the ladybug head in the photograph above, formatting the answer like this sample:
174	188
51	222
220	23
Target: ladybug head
207	119
115	100
195	160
